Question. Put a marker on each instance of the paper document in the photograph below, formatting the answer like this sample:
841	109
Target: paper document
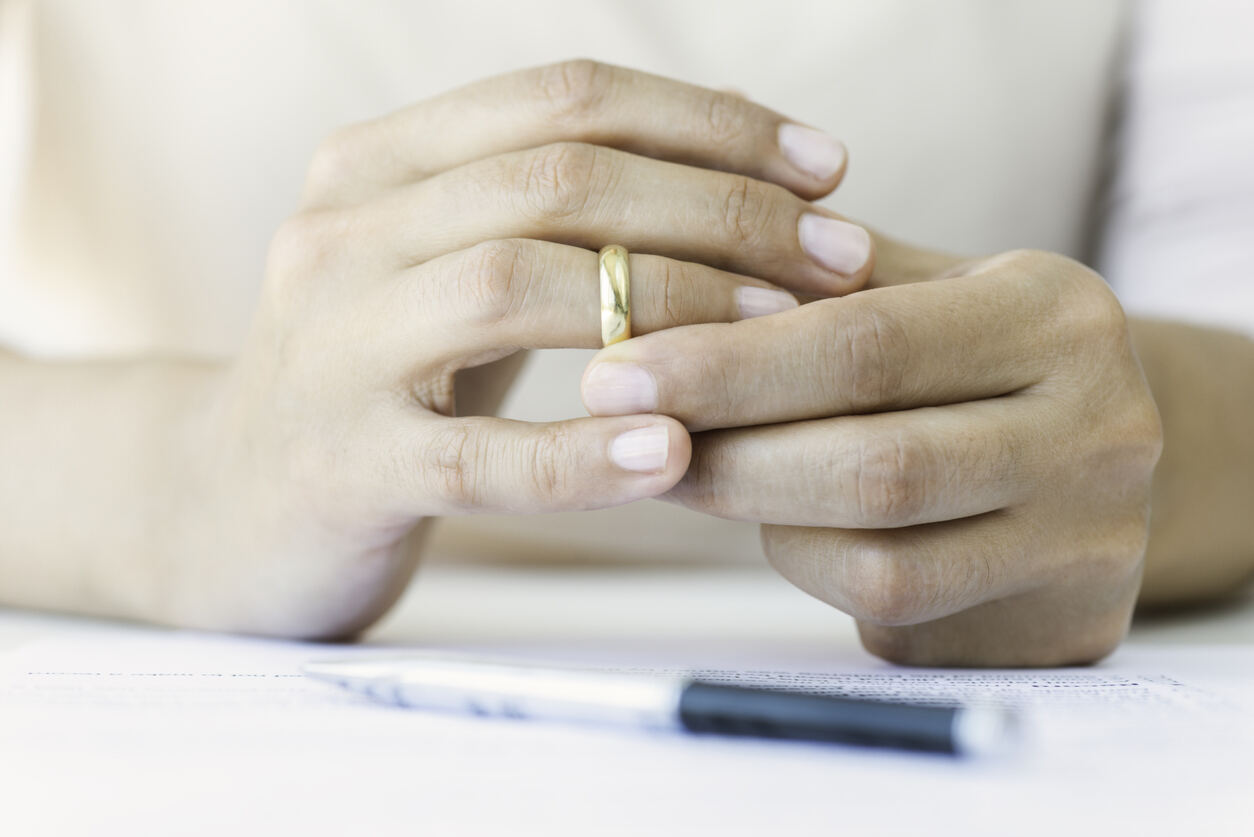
106	729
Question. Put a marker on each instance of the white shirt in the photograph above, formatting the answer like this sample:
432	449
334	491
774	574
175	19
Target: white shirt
1179	238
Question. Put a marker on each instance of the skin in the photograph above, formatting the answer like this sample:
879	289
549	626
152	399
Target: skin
961	456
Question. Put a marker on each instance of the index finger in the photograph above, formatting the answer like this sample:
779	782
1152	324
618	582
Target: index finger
886	349
581	101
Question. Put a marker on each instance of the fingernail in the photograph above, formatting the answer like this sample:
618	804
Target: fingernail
758	302
834	244
814	152
644	449
619	389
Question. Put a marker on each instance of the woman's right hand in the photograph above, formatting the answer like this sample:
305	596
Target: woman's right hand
450	235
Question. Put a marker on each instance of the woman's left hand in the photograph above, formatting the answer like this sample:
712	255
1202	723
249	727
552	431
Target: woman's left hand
963	464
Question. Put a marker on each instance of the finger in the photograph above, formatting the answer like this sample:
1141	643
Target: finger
476	464
874	471
538	295
926	344
582	101
588	196
922	573
903	576
1061	625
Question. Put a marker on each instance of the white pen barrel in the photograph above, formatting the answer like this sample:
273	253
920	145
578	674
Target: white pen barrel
527	692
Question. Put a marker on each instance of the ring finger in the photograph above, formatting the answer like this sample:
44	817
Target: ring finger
529	294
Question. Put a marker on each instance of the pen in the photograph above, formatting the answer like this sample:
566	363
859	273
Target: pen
670	702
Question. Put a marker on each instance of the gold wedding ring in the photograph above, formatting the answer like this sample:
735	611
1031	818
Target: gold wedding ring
615	295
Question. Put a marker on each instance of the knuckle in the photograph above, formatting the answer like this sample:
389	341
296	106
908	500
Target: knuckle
1099	310
560	180
723	393
1126	451
1083	311
1036	272
548	476
452	466
704	486
572	89
872	353
304	246
725	119
1024	259
490	281
1081	298
334	164
294	240
878	588
673	282
745	210
886	483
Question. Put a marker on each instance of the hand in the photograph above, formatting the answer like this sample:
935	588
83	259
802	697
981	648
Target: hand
964	464
451	235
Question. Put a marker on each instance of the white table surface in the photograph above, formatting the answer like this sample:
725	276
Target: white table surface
587	610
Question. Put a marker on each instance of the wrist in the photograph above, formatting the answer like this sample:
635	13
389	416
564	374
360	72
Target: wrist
1201	544
184	448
